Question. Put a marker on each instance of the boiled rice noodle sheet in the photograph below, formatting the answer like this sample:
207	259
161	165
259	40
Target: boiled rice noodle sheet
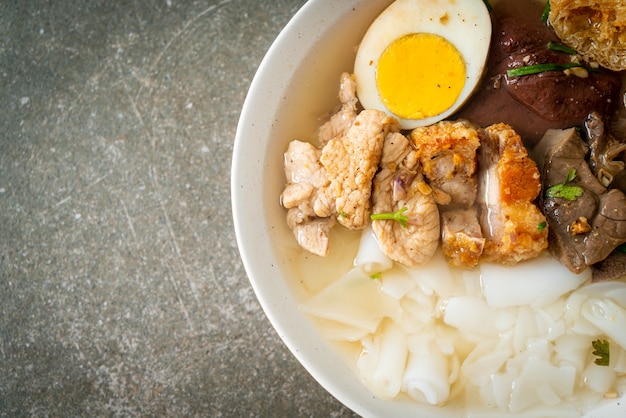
369	256
599	309
483	320
355	300
618	360
608	317
506	286
534	379
517	339
428	376
572	350
337	331
419	310
615	290
435	277
599	379
383	360
484	361
397	283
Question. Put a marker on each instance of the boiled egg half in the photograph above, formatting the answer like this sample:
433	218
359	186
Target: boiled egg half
420	60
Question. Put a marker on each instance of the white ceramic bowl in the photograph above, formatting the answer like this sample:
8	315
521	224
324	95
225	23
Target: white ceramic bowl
295	84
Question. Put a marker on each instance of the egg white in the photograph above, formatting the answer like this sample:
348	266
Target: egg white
466	24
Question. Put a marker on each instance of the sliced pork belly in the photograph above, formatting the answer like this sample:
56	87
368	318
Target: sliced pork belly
340	122
462	240
351	161
398	185
508	183
448	154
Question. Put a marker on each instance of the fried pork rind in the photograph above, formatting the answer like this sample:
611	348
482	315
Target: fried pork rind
596	29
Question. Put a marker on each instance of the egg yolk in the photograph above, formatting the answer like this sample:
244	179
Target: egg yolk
420	75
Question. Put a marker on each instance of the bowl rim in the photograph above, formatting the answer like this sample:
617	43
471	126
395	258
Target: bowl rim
302	344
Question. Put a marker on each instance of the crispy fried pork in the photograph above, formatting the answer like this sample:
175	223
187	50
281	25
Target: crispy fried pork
447	153
508	183
462	240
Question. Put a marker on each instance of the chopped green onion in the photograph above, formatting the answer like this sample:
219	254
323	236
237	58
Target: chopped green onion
542	226
395	216
555	46
539	68
343	214
376	275
546	12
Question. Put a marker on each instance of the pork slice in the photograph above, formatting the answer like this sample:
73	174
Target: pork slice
351	161
312	234
340	121
307	196
398	185
307	181
508	183
302	164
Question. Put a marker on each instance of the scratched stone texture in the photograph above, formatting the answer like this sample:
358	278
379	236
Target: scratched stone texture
121	288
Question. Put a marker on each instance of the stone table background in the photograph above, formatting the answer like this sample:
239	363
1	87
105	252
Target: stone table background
122	292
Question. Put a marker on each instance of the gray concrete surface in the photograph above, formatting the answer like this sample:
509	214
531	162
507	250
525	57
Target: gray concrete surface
121	288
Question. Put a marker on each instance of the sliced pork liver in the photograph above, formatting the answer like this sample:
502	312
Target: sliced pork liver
585	230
